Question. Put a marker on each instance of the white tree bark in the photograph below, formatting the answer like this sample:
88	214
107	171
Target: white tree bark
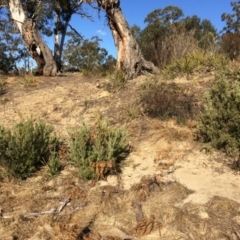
38	50
17	12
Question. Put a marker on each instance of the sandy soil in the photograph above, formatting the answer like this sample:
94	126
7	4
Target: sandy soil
169	187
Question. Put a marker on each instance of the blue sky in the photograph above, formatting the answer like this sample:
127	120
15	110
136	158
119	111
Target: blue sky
136	11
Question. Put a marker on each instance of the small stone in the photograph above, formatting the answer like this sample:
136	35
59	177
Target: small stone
203	215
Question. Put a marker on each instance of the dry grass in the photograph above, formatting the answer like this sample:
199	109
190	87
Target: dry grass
149	209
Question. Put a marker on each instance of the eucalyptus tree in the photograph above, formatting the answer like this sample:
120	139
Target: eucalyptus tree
232	19
63	10
203	31
129	59
85	54
231	32
25	14
11	47
168	35
154	41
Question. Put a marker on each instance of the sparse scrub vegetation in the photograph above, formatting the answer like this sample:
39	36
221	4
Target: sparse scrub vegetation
93	144
26	147
28	81
168	101
116	80
198	61
219	123
3	86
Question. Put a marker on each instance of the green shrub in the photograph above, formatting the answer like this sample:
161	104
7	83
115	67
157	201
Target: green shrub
99	142
168	101
24	149
219	123
197	61
54	165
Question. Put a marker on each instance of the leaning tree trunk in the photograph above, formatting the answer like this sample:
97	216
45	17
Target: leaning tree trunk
130	59
38	50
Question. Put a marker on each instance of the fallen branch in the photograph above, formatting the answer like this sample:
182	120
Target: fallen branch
63	204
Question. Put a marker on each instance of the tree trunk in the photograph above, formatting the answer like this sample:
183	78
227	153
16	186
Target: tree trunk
130	59
60	32
64	32
38	50
57	34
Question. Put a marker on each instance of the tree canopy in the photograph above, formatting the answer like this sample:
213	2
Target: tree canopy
169	35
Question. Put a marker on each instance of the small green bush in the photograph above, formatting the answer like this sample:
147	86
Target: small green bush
54	165
197	61
99	142
168	101
24	149
219	123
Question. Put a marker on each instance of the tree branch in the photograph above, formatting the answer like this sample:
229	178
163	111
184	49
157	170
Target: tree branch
76	31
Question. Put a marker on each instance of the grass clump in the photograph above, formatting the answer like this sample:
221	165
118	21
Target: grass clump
219	123
116	80
26	147
96	143
197	61
3	86
28	81
168	101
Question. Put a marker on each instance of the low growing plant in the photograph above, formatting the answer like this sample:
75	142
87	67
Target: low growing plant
54	165
116	80
168	101
219	123
28	81
24	148
3	86
197	61
96	143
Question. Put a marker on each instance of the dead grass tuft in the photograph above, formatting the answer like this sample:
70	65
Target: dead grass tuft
154	130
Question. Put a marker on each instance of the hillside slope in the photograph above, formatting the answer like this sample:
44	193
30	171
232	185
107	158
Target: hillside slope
168	189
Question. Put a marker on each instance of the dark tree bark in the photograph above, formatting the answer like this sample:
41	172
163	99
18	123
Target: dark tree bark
130	59
38	50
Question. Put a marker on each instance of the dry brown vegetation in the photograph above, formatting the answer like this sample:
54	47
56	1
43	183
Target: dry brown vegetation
145	200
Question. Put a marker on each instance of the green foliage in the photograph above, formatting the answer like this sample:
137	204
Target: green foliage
54	165
87	55
100	142
230	45
232	20
168	101
197	61
231	32
219	123
165	16
11	47
24	149
116	80
202	30
168	35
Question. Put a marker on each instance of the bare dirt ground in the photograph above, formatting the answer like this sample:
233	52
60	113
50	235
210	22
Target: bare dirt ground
169	188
